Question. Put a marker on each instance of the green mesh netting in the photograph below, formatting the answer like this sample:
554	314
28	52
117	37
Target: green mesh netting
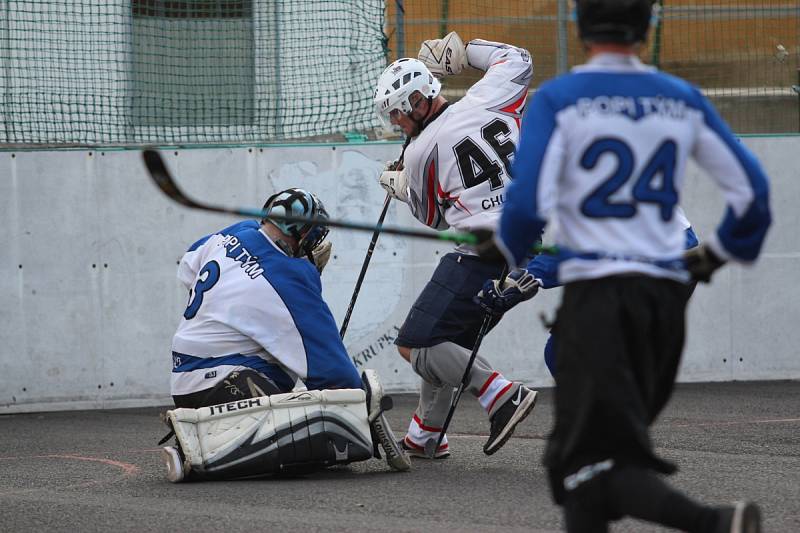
744	54
81	72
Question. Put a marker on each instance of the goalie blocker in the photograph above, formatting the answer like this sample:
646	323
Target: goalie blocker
293	432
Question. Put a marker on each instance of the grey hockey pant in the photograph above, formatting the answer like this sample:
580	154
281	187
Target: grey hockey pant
441	368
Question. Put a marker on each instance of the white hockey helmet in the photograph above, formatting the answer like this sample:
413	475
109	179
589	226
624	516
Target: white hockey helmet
396	84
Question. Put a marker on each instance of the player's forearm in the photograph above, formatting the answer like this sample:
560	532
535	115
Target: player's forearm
483	54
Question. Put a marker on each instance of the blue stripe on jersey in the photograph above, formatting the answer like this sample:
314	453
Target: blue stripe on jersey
297	282
187	363
233	228
691	238
545	267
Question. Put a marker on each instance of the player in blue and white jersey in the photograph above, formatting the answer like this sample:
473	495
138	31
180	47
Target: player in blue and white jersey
255	316
254	324
456	168
603	151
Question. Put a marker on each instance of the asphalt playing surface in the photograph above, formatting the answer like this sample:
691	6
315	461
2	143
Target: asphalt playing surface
100	471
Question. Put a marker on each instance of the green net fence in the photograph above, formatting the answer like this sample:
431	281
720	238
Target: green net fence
132	72
83	72
744	54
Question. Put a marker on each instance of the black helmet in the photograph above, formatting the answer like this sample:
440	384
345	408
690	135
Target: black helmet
298	203
613	21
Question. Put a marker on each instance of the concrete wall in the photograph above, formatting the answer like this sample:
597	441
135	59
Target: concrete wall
89	300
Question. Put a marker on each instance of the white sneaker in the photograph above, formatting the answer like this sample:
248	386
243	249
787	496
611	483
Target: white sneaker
176	471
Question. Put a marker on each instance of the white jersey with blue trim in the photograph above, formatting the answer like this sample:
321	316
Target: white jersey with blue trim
459	165
252	306
604	150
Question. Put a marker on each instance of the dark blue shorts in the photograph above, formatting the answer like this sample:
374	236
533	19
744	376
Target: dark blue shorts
444	311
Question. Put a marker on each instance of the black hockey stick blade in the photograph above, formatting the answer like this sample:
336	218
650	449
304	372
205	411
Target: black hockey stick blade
161	176
163	179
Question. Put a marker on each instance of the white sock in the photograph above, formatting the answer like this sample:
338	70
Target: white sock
492	390
418	434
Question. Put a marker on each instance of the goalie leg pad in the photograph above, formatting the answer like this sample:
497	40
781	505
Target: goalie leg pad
273	434
377	403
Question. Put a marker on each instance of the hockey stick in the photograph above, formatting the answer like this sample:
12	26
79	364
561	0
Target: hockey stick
397	164
433	444
160	174
364	266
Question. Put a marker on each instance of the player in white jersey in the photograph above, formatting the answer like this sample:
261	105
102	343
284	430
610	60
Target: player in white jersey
254	324
456	167
604	150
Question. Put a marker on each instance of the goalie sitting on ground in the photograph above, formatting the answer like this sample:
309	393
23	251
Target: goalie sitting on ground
255	323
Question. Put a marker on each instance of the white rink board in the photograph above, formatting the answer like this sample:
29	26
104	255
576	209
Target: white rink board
90	246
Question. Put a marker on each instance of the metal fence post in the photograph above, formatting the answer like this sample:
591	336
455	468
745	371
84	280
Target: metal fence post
400	27
562	59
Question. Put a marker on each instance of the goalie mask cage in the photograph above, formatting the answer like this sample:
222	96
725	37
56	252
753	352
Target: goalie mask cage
743	54
169	72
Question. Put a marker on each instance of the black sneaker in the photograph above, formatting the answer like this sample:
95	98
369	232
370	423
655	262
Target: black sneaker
508	416
743	517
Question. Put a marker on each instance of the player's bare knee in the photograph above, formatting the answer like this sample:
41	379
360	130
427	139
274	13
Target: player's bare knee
405	352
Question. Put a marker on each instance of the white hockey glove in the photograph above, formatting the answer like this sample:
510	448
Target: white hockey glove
321	254
443	57
517	287
396	184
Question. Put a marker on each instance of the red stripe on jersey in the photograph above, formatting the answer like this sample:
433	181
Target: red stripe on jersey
431	192
498	396
488	382
515	108
456	199
424	427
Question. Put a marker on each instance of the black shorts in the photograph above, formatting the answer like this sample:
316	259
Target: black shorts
619	346
239	385
444	310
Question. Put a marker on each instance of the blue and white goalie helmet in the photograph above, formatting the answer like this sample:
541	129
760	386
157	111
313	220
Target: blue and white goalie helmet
298	203
396	84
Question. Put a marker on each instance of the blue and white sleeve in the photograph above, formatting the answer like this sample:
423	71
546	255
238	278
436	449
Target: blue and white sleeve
532	194
744	184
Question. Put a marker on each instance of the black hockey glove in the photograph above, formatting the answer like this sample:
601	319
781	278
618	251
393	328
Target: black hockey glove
498	296
701	262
